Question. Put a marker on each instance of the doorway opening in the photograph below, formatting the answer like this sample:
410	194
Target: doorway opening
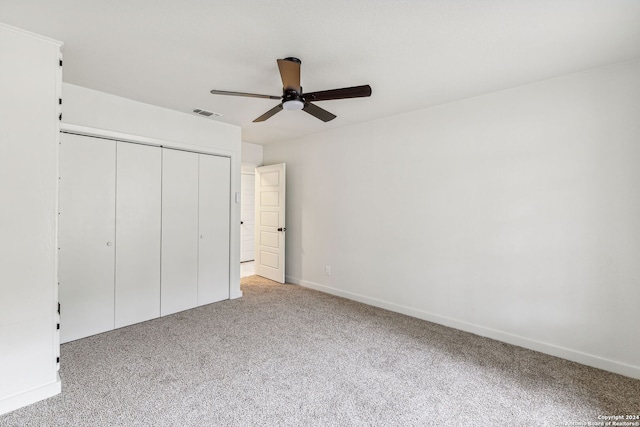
262	222
247	221
247	268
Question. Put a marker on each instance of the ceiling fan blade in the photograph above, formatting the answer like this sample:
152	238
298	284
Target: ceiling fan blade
290	73
318	112
347	92
269	113
250	95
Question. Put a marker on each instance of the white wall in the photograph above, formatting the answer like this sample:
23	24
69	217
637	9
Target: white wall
99	110
252	154
514	215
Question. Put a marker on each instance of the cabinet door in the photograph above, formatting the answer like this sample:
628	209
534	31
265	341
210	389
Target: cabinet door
86	236
179	284
138	226
213	254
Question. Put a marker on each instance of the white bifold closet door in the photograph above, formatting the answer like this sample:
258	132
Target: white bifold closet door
213	219
179	286
144	232
86	235
195	230
138	233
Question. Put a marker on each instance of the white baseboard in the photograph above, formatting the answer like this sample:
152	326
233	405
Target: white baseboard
235	294
553	350
28	397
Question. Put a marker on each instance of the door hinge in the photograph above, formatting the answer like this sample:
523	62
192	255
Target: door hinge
57	359
61	62
58	308
59	101
58	326
60	117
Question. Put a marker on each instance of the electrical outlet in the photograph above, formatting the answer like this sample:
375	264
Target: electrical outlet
327	270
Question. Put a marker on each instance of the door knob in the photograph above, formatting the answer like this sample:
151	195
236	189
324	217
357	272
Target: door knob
241	222
108	243
282	229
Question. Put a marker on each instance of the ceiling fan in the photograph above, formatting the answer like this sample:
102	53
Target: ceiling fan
294	99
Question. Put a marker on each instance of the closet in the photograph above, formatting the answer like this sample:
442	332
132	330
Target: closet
144	232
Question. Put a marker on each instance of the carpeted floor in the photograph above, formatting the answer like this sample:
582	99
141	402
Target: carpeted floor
284	355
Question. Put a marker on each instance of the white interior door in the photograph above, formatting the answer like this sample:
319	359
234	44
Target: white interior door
248	214
214	206
138	233
270	221
86	235
179	283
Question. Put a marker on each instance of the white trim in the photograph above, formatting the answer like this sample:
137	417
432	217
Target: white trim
28	397
235	294
138	139
56	215
32	35
553	350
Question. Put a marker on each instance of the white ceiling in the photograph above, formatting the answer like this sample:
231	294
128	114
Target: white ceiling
414	53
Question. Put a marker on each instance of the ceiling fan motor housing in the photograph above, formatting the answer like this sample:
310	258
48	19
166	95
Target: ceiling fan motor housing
291	95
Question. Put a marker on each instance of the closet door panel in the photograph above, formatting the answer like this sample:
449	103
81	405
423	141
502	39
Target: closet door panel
138	233
86	236
179	285
213	255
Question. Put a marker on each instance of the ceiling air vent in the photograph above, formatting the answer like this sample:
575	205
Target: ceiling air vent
206	113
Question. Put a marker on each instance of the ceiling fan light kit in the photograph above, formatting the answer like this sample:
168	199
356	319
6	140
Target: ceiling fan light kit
294	99
294	104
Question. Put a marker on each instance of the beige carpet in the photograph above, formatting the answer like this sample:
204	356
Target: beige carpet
284	355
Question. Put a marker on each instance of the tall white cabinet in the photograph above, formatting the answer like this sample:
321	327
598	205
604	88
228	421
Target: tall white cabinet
144	232
30	81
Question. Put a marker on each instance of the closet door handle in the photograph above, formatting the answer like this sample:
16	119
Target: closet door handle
109	243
